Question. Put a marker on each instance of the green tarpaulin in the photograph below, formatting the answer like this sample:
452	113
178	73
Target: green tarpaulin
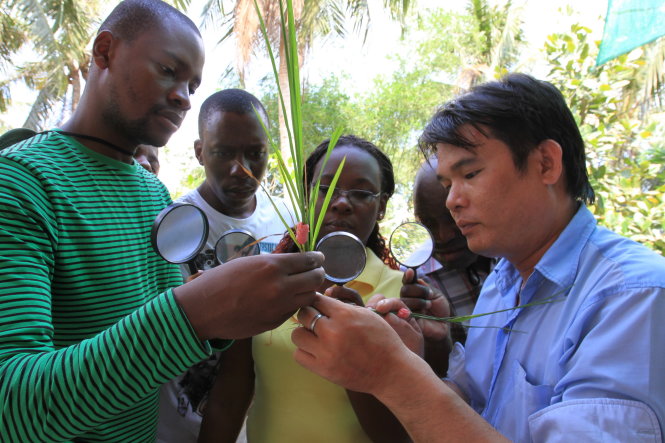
629	24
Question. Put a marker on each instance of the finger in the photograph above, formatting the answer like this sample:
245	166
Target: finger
300	262
330	307
416	291
430	292
304	283
409	277
409	332
417	304
389	305
311	319
374	300
301	356
344	294
305	343
396	321
306	314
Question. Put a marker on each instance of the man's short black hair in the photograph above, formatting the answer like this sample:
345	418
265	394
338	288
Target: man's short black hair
131	18
237	101
521	112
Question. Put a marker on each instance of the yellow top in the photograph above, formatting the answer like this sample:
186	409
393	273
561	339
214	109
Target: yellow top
292	404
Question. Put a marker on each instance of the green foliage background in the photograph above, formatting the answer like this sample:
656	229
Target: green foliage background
625	143
625	138
443	53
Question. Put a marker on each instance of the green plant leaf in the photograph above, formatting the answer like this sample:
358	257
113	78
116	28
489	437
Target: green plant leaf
303	201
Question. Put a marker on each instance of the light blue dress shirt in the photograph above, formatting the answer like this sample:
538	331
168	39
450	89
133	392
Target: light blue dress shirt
590	365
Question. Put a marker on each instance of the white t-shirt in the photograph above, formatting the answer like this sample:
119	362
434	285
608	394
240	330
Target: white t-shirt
182	400
264	222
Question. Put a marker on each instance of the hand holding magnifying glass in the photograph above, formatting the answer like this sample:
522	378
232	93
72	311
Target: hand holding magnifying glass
412	244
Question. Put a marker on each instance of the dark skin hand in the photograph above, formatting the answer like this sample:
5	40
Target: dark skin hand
233	390
249	295
423	299
345	294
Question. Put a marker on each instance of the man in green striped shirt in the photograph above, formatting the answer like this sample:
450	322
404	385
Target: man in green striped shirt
92	321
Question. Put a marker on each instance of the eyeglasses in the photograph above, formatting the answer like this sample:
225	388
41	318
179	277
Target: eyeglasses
355	196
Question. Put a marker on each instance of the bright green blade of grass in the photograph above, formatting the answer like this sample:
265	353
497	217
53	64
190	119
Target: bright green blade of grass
302	200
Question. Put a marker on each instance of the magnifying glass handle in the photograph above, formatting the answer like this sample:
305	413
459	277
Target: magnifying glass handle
192	267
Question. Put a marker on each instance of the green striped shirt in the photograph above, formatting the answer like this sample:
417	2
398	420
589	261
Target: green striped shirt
88	326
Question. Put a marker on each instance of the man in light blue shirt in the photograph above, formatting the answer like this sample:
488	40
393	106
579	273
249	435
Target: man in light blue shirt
583	365
585	360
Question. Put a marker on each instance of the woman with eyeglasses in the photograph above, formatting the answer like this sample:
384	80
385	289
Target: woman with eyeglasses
289	403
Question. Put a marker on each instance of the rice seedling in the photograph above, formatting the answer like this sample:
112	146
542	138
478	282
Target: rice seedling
308	222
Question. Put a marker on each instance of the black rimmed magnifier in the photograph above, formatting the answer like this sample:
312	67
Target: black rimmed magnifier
345	256
234	244
411	244
180	232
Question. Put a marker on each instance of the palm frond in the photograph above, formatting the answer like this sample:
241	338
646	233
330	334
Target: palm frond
181	4
245	32
12	35
41	108
213	11
509	35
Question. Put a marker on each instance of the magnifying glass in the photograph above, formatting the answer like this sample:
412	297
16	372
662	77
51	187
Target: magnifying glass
179	233
411	244
236	243
345	256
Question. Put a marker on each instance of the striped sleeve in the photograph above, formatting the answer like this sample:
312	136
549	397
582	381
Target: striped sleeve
54	392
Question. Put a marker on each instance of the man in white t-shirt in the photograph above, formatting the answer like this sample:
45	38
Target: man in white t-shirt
233	149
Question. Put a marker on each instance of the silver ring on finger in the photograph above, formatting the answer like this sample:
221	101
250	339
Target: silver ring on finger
312	324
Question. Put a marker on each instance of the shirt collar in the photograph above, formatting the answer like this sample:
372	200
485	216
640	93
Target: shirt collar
560	262
371	276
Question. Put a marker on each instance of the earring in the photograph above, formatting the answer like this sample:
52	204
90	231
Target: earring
380	216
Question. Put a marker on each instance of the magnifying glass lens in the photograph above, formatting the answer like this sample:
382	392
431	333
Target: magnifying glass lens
345	256
411	244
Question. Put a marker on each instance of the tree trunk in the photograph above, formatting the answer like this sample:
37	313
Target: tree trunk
75	80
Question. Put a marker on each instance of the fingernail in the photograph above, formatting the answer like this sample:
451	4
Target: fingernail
403	313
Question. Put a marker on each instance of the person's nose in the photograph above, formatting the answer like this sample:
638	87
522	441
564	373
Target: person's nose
340	202
455	199
239	166
180	95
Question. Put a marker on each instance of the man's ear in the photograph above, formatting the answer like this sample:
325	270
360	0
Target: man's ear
198	151
551	161
101	49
